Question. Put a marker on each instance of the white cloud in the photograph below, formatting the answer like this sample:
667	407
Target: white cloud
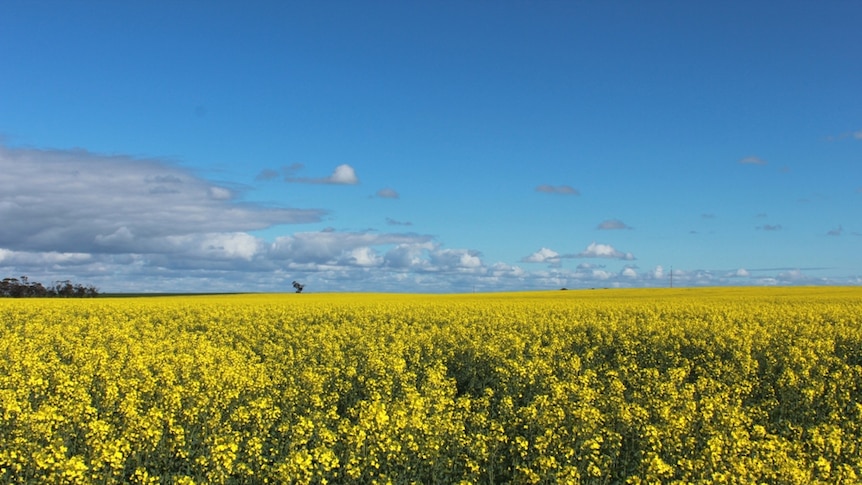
232	245
408	255
364	256
505	270
601	275
543	255
342	175
794	275
456	259
629	272
329	247
740	273
595	250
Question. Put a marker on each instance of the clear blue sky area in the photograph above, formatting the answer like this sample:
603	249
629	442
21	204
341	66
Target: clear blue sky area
430	146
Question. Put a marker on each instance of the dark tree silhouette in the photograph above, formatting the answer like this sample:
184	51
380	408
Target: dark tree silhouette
23	287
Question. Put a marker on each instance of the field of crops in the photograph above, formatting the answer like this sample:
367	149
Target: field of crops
736	385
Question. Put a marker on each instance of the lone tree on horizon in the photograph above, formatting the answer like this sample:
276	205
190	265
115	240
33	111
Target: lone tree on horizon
298	287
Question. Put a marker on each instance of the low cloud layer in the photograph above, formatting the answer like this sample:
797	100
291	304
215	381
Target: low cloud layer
128	224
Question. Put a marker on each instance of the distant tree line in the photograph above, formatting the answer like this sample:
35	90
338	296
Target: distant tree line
23	288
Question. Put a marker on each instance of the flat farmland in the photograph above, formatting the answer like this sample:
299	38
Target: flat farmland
707	385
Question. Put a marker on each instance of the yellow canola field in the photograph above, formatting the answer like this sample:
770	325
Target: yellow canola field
734	385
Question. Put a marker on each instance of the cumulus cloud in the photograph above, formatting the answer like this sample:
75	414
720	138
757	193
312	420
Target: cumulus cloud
739	273
612	224
342	175
408	255
238	245
557	189
752	160
364	256
595	250
543	255
387	193
460	259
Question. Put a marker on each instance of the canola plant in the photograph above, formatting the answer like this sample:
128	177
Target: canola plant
734	385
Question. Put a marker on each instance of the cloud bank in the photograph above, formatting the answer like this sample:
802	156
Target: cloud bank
76	201
128	224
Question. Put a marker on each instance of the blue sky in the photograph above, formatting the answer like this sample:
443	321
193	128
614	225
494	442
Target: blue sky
430	146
